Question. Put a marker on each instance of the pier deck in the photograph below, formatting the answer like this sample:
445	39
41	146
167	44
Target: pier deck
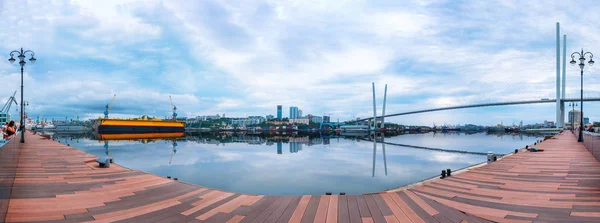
58	183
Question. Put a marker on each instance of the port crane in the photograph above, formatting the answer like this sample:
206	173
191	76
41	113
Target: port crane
173	108
108	106
6	108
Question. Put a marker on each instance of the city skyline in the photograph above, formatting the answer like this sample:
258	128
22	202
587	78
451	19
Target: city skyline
220	63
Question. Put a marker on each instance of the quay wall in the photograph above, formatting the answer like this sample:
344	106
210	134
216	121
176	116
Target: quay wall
591	141
9	157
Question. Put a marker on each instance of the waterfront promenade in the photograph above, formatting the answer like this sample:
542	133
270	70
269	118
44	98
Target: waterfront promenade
58	183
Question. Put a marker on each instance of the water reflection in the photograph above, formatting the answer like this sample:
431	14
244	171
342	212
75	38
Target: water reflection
308	164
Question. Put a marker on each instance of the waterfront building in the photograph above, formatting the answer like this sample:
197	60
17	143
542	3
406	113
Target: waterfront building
269	117
251	120
293	112
278	122
316	119
207	117
326	118
299	121
279	112
586	120
548	123
299	113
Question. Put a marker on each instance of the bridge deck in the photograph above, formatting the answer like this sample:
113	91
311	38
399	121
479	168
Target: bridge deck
57	183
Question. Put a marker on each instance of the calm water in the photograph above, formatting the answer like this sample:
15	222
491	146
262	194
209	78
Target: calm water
284	165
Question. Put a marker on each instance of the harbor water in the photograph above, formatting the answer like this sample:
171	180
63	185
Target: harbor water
300	164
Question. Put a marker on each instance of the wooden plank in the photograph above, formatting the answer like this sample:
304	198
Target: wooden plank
311	209
224	208
374	209
321	215
236	219
417	209
353	211
343	215
124	214
300	209
289	211
332	210
257	209
396	211
430	210
367	220
385	210
362	206
409	212
280	209
205	203
268	211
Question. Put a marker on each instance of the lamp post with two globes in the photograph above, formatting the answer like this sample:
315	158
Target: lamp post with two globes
21	55
581	65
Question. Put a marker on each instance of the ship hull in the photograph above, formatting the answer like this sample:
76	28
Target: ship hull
138	129
117	126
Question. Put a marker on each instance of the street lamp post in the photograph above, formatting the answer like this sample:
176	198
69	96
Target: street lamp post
581	65
25	112
21	55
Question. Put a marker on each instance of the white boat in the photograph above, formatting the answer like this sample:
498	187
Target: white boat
49	126
70	128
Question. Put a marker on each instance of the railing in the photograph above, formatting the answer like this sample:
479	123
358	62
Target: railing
591	141
9	156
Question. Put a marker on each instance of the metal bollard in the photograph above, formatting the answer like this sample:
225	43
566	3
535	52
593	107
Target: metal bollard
491	157
175	178
448	172
342	193
169	177
327	193
443	174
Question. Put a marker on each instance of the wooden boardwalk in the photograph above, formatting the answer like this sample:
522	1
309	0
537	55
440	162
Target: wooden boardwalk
57	183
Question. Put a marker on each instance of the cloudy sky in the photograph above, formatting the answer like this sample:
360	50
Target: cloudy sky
245	57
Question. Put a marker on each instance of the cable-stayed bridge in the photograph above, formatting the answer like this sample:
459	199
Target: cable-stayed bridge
489	87
562	101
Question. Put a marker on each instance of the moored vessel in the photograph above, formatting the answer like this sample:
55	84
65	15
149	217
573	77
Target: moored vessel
137	125
143	124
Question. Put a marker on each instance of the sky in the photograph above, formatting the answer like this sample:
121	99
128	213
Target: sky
246	57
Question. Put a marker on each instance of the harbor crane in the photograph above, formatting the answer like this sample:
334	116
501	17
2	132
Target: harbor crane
6	108
173	108
108	106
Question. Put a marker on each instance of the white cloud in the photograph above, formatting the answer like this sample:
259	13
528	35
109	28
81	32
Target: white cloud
249	56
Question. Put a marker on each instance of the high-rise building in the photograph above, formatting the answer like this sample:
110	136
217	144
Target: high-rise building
586	120
326	118
293	112
575	117
299	113
269	117
279	112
